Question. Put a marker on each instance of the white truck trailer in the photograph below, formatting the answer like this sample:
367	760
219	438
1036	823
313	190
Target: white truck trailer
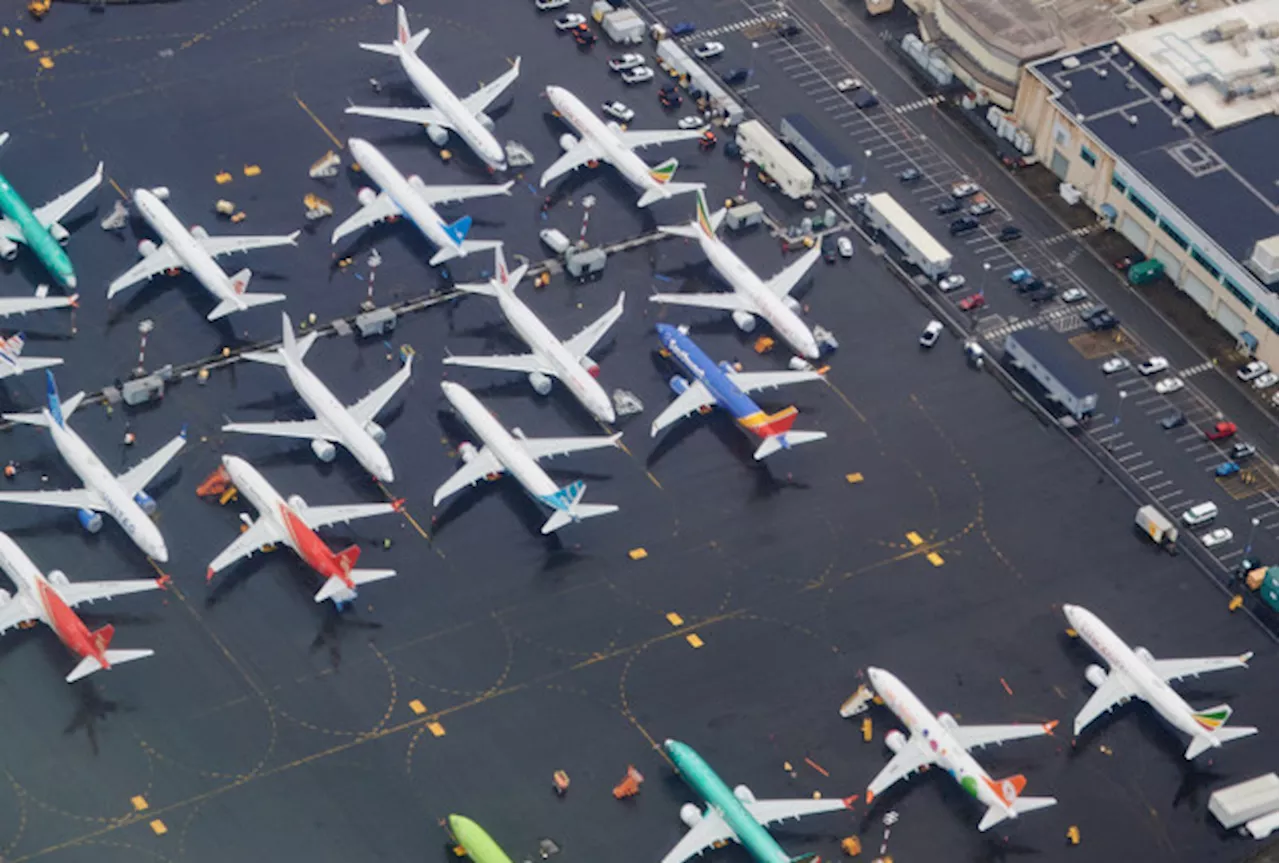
1255	800
760	147
1153	523
917	245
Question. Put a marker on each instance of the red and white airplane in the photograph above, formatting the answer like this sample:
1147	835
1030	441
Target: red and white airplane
295	523
50	600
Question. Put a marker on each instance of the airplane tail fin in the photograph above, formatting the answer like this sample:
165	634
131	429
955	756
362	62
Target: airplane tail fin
503	281
347	558
779	423
568	506
664	171
458	230
404	36
242	299
4	139
1214	720
290	346
89	664
55	403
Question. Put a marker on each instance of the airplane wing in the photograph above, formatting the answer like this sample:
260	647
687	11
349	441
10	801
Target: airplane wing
317	517
88	591
710	830
750	382
380	210
907	760
216	246
1176	669
140	475
373	403
38	302
27	364
695	398
768	812
80	498
484	464
639	140
977	736
549	447
57	208
19	609
309	429
421	116
784	282
261	532
162	259
504	362
445	194
727	301
582	343
1113	690
582	152
485	96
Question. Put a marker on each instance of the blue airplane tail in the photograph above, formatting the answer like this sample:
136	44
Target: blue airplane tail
458	230
564	498
55	403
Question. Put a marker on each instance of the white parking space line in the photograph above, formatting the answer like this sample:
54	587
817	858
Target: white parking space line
1223	558
1134	468
1187	437
1261	504
1196	448
1121	446
1159	485
1171	494
1137	454
1214	454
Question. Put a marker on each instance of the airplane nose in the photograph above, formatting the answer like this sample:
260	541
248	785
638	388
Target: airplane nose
159	553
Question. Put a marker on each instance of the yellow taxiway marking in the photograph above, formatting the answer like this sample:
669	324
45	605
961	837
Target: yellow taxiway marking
417	707
116	186
316	120
914	538
637	554
934	558
158	828
853	478
674	619
436	729
694	640
139	803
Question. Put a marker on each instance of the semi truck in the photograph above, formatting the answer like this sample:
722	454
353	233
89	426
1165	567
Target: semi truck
1151	522
760	147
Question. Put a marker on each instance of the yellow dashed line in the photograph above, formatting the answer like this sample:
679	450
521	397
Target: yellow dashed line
316	120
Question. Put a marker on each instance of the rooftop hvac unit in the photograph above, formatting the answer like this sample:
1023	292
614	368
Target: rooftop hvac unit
1265	261
1188	113
1166	94
1070	62
1228	29
1133	119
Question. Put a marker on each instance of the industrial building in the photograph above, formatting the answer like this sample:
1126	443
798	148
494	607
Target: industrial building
761	148
1067	377
1170	136
829	162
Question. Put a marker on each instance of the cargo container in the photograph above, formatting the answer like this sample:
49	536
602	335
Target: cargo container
1236	804
744	216
1145	271
759	146
1067	377
918	246
623	26
829	162
1151	522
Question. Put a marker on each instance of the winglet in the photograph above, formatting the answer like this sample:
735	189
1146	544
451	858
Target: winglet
163	581
55	404
850	800
397	505
1244	657
74	301
208	576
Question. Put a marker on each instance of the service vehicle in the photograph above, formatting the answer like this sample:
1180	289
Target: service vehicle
736	76
1201	513
707	50
1242	450
1217	536
1074	295
691	122
1265	381
625	62
1227	468
1010	232
829	249
982	208
951	282
1171	384
638	75
910	175
1153	523
1019	275
865	100
548	5
618	111
929	337
570	21
683	28
949	206
1151	365
1115	364
964	225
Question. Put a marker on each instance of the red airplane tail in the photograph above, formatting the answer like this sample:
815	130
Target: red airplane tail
1009	789
779	423
347	558
102	637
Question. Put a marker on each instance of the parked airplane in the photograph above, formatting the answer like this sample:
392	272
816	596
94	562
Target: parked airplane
295	522
726	386
12	362
464	116
41	228
1135	673
475	843
601	142
194	251
569	362
122	497
734	815
411	198
49	599
353	427
750	297
502	451
39	302
943	742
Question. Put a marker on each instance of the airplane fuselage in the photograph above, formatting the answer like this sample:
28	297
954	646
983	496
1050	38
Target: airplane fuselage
703	369
401	190
326	406
186	247
48	250
440	97
59	616
117	502
505	448
591	128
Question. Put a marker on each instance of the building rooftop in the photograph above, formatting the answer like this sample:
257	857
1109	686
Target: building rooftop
830	151
1015	27
1076	374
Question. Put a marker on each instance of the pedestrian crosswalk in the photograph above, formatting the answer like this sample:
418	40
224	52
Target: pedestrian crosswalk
1068	235
1195	370
1053	317
917	104
704	35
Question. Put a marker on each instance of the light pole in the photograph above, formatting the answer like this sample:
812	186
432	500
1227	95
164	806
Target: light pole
751	70
982	289
1248	546
866	158
1120	410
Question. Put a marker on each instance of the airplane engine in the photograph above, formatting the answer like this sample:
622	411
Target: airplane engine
743	793
745	321
296	502
592	367
690	815
8	249
467	451
727	367
1095	675
161	192
946	720
541	383
5	596
484	120
1144	655
146	247
791	303
366	196
199	233
678	384
145	501
59	578
59	233
895	740
438	134
324	450
89	520
568	142
375	431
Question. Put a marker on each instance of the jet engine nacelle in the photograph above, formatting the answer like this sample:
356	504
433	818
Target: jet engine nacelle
1144	654
296	502
745	321
467	451
678	384
366	196
690	815
375	431
5	596
484	120
791	303
8	249
199	232
438	134
89	520
59	233
946	720
146	501
541	383
161	193
59	578
568	142
895	740
744	795
1095	675
324	450
146	247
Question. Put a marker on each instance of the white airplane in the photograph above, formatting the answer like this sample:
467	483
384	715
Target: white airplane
122	497
195	250
607	142
1135	673
465	116
49	599
502	451
943	742
294	522
750	297
12	362
353	427
411	198
38	303
569	362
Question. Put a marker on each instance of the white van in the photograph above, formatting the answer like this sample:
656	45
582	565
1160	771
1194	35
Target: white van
1201	513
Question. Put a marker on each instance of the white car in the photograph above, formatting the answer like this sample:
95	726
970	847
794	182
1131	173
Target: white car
845	246
568	22
547	5
1255	369
691	122
707	50
618	111
1073	295
857	199
929	337
1115	364
1267	380
1217	536
1151	365
1170	384
951	282
638	75
964	190
625	62
844	85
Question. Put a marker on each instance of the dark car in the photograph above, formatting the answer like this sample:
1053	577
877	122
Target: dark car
1128	261
963	225
1173	420
829	249
1103	321
950	205
865	100
732	150
910	175
1010	232
684	28
1043	294
736	76
789	29
1027	286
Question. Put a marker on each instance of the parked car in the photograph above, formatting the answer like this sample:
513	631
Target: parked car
829	249
844	85
618	111
707	50
910	175
972	303
1010	232
1115	364
865	100
1074	295
845	245
964	190
963	225
683	28
946	207
568	22
1227	468
1128	261
1030	286
1103	320
1217	536
1019	275
1151	365
638	75
856	200
1265	381
1242	451
1171	384
982	208
929	337
1201	513
736	76
951	282
789	29
625	62
1254	369
1173	420
1221	431
1043	294
547	5
693	121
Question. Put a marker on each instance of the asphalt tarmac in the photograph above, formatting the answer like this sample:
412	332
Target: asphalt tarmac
268	727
